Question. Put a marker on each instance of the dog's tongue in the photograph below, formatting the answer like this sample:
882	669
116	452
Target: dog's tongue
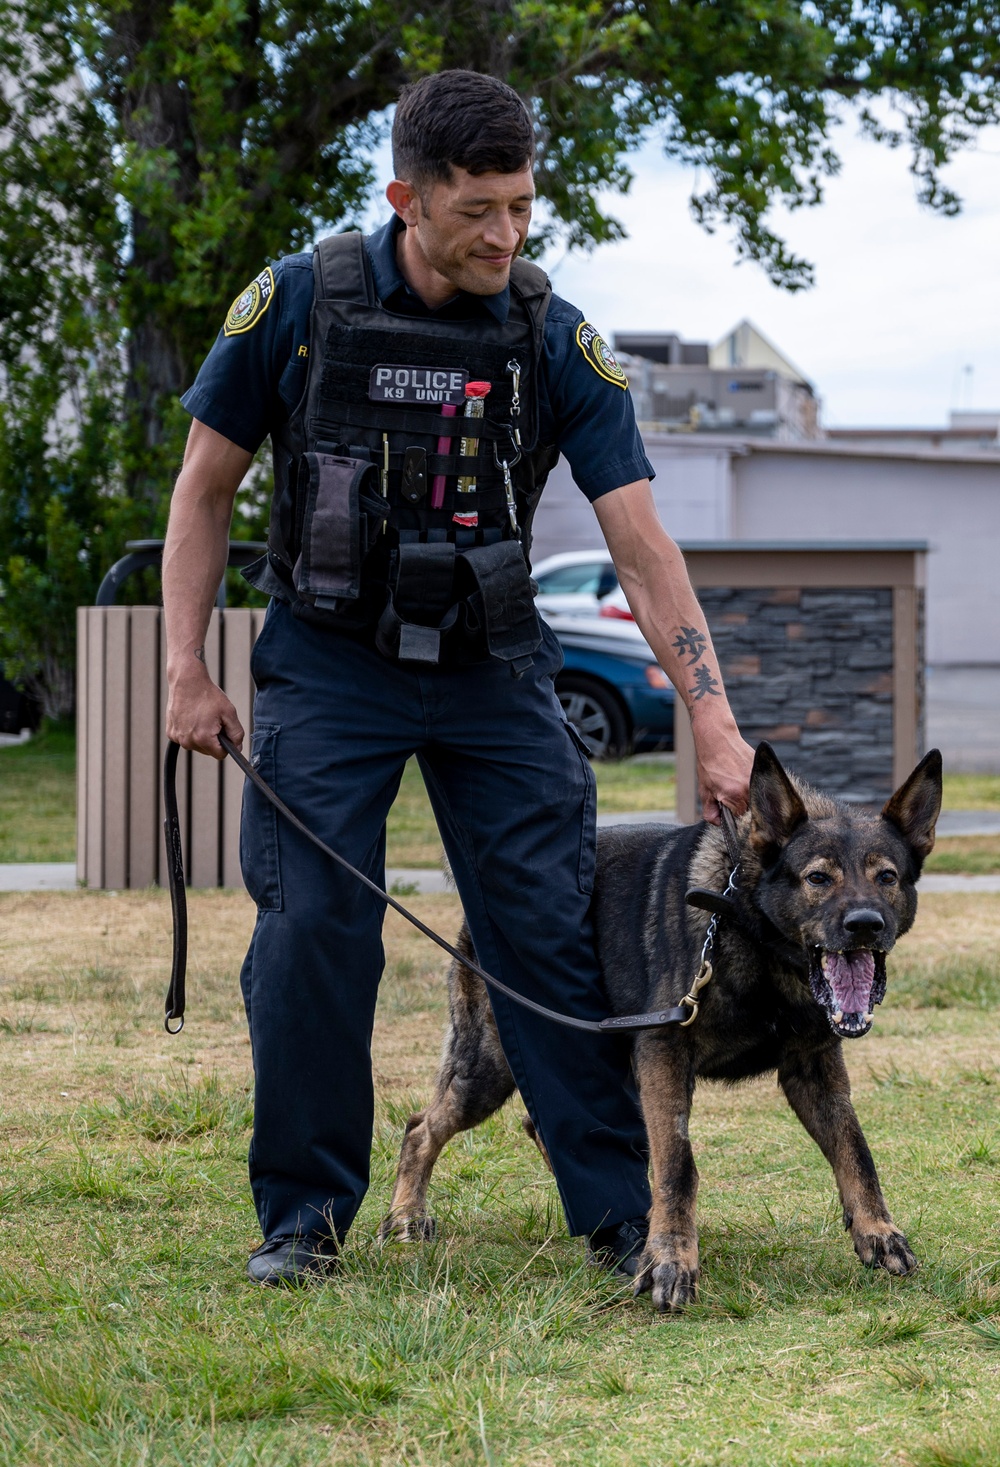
851	976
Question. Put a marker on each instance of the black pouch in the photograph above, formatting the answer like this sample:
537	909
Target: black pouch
420	609
335	527
506	602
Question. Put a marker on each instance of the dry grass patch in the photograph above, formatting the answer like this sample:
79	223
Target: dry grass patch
83	977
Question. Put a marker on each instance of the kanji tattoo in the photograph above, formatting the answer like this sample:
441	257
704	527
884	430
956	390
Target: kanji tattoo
704	683
692	642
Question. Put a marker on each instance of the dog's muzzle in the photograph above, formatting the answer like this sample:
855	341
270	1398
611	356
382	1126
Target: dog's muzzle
848	985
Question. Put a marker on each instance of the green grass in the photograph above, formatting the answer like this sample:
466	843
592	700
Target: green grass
38	797
972	791
129	1335
38	809
974	855
38	802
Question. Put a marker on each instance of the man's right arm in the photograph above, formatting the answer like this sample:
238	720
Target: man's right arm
194	562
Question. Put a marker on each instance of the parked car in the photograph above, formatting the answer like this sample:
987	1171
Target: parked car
574	582
615	606
613	691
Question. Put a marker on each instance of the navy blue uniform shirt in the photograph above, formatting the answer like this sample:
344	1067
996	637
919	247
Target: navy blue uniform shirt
253	378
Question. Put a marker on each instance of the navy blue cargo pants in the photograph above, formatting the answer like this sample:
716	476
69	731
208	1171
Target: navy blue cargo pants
514	799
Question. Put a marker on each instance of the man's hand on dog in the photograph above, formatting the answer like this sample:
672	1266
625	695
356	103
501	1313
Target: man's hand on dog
725	760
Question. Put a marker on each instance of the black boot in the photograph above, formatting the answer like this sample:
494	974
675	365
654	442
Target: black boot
617	1248
293	1260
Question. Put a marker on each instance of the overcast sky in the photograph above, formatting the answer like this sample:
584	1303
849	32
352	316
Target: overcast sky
905	300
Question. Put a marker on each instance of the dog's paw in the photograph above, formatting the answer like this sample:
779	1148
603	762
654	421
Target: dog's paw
403	1228
887	1248
673	1282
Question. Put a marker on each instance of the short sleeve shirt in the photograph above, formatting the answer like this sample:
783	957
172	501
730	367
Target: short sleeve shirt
255	373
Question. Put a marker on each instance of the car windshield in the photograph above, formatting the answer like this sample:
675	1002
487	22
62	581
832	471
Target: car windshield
586	579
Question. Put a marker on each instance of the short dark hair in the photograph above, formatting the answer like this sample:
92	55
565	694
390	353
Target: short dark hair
460	119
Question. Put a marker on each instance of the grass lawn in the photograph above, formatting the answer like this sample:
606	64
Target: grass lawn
38	806
38	802
128	1334
975	855
38	797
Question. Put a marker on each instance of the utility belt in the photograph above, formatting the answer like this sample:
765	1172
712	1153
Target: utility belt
447	596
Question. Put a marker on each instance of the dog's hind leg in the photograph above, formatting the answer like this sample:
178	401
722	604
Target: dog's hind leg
528	1127
819	1091
669	1265
473	1081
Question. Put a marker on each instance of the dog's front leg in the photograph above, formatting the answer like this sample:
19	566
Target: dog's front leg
669	1266
819	1091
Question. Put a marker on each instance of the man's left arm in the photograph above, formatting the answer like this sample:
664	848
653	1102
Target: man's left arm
654	578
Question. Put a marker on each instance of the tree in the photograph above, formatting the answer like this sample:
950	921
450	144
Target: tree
154	154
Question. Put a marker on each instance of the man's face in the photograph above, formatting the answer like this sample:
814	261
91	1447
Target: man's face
469	230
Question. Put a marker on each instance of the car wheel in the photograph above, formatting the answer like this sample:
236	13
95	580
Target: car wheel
595	713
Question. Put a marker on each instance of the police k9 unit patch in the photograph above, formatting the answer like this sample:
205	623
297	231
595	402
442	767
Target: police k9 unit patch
392	382
248	307
599	355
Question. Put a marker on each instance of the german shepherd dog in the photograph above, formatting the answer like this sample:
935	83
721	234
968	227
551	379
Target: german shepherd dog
822	893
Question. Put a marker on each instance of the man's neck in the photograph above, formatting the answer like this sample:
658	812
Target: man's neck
433	289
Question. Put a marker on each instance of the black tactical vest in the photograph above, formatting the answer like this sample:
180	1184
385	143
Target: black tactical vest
379	521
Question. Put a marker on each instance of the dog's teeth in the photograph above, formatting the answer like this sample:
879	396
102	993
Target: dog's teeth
838	1017
869	1018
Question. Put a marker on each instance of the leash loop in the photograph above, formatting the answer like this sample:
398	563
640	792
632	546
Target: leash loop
178	892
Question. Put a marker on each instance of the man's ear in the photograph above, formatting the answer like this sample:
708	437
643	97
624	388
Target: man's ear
404	199
776	809
916	805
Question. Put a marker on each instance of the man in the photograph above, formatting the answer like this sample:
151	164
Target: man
402	622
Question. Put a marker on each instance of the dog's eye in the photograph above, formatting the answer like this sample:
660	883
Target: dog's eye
886	878
818	878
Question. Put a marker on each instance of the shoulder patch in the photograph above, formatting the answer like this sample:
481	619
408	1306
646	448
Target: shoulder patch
599	355
248	307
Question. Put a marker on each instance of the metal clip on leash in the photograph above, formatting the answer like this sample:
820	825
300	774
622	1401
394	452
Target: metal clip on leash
705	969
623	1024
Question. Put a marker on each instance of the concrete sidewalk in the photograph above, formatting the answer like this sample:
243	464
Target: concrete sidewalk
402	883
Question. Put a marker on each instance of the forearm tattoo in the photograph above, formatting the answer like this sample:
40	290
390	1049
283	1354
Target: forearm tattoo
692	643
199	652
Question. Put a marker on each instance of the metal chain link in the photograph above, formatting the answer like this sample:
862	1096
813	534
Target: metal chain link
705	969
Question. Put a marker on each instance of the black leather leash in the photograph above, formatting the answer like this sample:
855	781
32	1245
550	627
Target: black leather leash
622	1024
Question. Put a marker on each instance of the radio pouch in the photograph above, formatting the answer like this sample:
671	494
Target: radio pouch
334	528
508	606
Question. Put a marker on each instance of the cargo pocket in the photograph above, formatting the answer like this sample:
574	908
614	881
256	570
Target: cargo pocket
588	842
259	856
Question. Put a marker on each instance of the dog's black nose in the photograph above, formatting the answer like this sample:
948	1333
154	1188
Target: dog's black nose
864	922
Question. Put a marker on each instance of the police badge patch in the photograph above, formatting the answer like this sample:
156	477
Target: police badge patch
599	355
248	307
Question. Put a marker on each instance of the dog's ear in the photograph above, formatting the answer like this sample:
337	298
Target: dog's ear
916	805
776	809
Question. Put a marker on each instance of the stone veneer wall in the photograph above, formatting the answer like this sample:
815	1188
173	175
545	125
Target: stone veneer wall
811	671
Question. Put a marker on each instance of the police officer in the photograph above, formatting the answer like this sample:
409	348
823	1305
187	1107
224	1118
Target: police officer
417	385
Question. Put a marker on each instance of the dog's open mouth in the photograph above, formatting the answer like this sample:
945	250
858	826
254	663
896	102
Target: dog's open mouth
848	985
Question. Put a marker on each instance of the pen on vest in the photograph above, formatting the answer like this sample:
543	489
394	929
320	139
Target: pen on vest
448	410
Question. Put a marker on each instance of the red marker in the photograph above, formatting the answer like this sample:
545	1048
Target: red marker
448	410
